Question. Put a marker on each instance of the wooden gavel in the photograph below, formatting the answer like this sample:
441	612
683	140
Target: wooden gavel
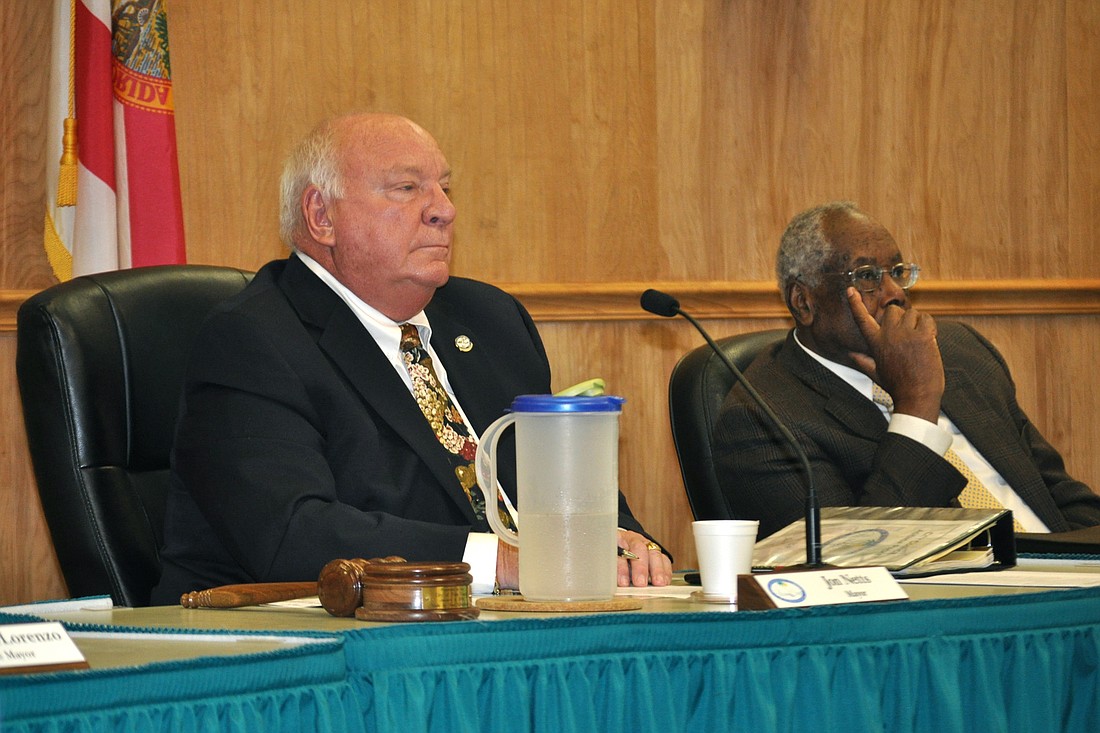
380	589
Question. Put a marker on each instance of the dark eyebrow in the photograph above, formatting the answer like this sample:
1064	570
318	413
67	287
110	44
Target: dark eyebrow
871	261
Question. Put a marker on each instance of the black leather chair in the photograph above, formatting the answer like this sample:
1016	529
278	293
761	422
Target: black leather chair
100	365
696	390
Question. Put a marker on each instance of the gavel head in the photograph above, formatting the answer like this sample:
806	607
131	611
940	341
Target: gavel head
340	585
391	589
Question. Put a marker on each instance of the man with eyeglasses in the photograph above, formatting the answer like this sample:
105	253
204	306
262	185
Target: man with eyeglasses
881	397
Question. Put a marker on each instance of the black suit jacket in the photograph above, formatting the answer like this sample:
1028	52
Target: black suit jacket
298	443
855	461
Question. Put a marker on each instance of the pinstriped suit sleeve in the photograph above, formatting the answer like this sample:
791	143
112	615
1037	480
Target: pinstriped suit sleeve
854	461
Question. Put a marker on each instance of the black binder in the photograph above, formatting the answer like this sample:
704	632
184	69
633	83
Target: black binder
907	541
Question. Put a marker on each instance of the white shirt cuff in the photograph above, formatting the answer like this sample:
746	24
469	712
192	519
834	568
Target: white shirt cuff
481	555
928	434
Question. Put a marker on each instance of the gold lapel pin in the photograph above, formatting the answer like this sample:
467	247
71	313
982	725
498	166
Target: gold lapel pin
464	343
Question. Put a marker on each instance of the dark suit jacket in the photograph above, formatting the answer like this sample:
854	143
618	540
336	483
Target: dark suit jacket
855	461
298	443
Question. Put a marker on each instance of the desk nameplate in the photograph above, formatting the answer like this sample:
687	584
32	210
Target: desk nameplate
822	587
38	647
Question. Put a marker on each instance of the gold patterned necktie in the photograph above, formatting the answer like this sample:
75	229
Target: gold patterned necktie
974	495
445	420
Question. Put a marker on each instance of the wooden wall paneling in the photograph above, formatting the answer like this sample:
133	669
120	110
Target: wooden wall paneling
24	33
958	147
681	251
1083	139
28	566
619	301
543	110
768	130
241	93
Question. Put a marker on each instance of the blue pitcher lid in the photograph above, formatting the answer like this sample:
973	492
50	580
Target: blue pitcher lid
554	403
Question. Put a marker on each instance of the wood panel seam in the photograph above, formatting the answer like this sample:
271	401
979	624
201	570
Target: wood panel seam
618	301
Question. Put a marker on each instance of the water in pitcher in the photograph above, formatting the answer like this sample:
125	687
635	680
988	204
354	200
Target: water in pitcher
582	545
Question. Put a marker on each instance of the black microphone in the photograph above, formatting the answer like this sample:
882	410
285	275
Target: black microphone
663	304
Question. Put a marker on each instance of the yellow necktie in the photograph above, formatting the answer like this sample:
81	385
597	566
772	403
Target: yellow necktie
974	495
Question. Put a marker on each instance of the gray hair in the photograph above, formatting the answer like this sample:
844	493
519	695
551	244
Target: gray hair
313	161
804	249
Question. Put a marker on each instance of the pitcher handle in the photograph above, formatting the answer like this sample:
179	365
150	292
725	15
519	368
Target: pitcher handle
485	467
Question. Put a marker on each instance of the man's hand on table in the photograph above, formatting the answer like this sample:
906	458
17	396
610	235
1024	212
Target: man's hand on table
652	566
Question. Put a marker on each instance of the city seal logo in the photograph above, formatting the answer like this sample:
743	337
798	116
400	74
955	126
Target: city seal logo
141	69
786	590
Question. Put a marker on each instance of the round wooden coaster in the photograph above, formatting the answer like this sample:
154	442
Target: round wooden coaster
519	604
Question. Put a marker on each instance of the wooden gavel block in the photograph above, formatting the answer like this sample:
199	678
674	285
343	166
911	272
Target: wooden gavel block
413	591
380	589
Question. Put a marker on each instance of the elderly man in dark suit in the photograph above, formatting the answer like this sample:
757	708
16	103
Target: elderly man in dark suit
892	408
300	440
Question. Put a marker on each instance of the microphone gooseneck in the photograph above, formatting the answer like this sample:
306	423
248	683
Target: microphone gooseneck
663	304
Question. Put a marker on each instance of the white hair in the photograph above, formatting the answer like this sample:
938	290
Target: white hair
804	249
313	161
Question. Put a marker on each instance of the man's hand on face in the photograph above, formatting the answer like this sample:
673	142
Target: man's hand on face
904	358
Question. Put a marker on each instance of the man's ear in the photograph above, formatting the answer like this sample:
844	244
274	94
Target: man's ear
800	302
318	221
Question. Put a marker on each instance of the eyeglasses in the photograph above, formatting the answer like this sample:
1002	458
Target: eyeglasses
868	278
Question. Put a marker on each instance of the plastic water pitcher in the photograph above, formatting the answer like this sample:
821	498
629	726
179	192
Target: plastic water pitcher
567	474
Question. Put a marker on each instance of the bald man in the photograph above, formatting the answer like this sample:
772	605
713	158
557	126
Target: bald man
300	440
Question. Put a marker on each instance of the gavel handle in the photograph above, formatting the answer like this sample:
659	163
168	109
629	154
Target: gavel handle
247	594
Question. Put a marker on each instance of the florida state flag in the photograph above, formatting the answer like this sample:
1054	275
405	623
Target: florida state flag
113	194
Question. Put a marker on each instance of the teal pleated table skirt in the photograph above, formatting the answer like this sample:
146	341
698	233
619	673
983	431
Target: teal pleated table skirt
1027	662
